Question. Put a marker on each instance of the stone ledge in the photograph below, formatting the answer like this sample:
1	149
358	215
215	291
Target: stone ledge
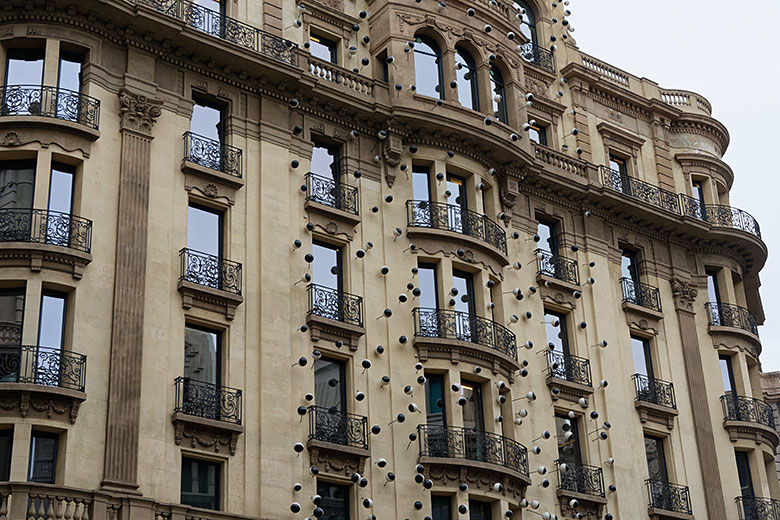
752	431
229	181
50	123
205	433
662	514
337	458
590	505
656	413
344	216
333	330
457	351
450	241
40	401
556	283
644	312
449	472
44	256
735	333
570	390
208	298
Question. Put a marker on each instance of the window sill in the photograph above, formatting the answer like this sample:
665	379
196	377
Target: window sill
44	256
208	298
350	219
570	390
662	514
434	240
205	433
333	330
40	401
476	472
49	123
656	413
456	351
753	432
337	458
226	180
643	312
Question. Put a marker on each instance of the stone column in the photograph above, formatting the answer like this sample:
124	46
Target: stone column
138	115
580	105
684	296
663	154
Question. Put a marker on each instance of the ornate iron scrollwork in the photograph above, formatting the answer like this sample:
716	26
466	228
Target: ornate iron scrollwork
641	294
55	102
470	444
208	400
45	227
646	192
655	391
569	368
336	305
337	427
210	271
436	215
747	409
328	192
213	154
45	366
538	56
728	315
669	497
558	267
580	478
758	508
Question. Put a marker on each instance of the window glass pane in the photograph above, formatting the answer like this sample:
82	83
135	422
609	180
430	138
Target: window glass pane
61	188
473	416
329	384
24	67
201	354
499	95
43	458
11	314
456	186
52	323
335	500
712	287
656	462
324	161
17	184
434	400
639	352
547	237
323	48
568	448
70	72
441	507
479	510
617	164
200	483
214	5
464	300
421	188
538	134
429	295
6	445
556	333
628	266
726	374
204	230
326	268
743	470
698	191
467	79
427	69
206	121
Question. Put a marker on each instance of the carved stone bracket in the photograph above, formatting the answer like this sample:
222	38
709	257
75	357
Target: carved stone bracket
478	475
206	433
392	148
590	505
684	294
337	459
40	401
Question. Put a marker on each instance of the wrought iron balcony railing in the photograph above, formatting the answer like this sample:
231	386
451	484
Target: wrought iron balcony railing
210	271
558	267
641	294
719	215
728	315
54	102
580	478
45	366
226	28
569	368
323	190
654	391
334	304
641	190
669	497
213	155
470	444
41	226
758	508
449	217
462	326
747	409
337	427
538	56
208	400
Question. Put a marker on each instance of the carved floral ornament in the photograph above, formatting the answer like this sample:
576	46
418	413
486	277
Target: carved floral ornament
138	112
684	293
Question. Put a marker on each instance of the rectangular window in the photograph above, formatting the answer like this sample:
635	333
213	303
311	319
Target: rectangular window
208	120
557	333
457	188
698	191
436	414
335	500
568	446
421	183
618	164
713	291
538	134
200	483
51	329
6	448
743	471
323	48
727	374
441	507
17	185
629	266
464	300
548	236
656	458
43	457
11	316
70	71
479	510
202	354
58	232
327	268
330	384
24	67
643	363
325	161
429	286
204	230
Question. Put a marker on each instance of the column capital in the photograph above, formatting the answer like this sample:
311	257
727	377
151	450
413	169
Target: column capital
138	113
684	294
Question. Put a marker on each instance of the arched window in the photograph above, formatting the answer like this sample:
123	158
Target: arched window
499	94
468	91
527	20
427	67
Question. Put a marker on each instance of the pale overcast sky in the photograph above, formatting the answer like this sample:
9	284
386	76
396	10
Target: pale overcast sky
725	51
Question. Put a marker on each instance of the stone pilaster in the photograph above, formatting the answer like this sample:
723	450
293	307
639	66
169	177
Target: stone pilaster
663	154
138	115
579	102
684	297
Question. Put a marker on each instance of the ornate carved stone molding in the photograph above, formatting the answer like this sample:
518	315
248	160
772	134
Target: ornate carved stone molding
137	112
40	402
443	473
337	459
684	294
206	433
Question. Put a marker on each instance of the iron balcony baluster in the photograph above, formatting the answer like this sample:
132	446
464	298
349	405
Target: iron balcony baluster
641	190
45	227
580	478
758	508
207	400
334	304
45	366
655	391
728	315
669	497
213	154
210	271
449	217
569	368
558	267
641	294
54	102
328	192
337	427
538	56
747	409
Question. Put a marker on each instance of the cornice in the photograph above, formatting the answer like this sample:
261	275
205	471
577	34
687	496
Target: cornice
702	125
706	162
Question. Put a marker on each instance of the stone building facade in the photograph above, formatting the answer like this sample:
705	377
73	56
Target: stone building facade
366	259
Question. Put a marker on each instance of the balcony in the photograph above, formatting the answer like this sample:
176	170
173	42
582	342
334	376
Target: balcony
213	160
655	400
718	215
557	270
226	29
640	190
336	435
207	414
209	282
749	418
539	56
57	108
474	452
456	335
569	374
437	221
333	199
668	501
583	483
43	382
758	508
334	315
641	298
731	316
39	238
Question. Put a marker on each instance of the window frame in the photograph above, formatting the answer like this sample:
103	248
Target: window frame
347	500
330	44
218	477
39	434
531	23
5	466
661	455
498	83
436	48
473	84
563	327
219	348
218	105
220	213
541	132
575	438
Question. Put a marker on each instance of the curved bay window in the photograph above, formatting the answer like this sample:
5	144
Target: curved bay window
527	20
468	91
499	94
428	74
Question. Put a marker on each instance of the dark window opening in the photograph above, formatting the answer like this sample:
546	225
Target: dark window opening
43	457
200	483
335	500
323	48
